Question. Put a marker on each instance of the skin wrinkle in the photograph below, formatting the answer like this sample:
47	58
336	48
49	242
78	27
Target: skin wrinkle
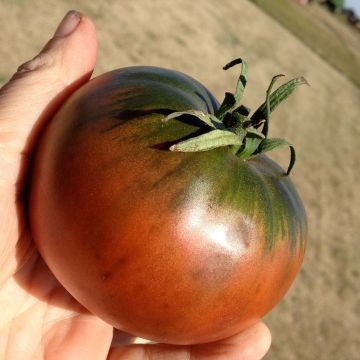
21	312
16	337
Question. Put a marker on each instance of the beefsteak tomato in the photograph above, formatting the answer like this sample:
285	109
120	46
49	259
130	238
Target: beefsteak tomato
181	247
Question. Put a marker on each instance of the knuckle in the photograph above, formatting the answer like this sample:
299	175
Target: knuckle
47	58
41	60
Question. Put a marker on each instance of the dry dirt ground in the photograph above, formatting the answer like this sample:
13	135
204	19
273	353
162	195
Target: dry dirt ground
320	316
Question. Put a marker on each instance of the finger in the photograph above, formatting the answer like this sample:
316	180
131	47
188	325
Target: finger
27	101
121	338
40	85
251	344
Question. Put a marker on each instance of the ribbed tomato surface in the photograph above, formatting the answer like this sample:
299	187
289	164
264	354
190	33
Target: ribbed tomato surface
175	247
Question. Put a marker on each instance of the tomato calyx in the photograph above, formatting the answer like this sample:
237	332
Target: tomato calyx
232	125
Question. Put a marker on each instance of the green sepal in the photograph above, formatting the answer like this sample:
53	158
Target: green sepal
255	133
252	141
271	144
231	101
208	119
265	129
242	80
278	96
210	140
250	147
226	106
236	122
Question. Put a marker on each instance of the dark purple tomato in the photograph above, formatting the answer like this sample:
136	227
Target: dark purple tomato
176	247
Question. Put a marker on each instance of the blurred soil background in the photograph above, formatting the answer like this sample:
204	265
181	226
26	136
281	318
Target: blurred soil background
320	316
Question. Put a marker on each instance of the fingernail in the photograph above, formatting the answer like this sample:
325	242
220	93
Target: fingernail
68	24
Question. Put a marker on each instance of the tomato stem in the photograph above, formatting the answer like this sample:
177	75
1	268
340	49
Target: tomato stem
232	126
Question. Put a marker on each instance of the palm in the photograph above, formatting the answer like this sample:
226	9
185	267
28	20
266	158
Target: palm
39	319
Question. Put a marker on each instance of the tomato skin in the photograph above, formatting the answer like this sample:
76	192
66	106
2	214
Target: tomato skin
179	248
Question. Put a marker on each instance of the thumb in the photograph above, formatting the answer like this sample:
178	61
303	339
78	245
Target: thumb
40	85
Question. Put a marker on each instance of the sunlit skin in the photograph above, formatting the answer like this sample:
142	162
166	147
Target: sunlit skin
181	248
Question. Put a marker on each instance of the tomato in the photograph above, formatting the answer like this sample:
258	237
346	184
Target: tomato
176	247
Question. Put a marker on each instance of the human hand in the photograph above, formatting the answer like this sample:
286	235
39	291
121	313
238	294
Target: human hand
38	318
